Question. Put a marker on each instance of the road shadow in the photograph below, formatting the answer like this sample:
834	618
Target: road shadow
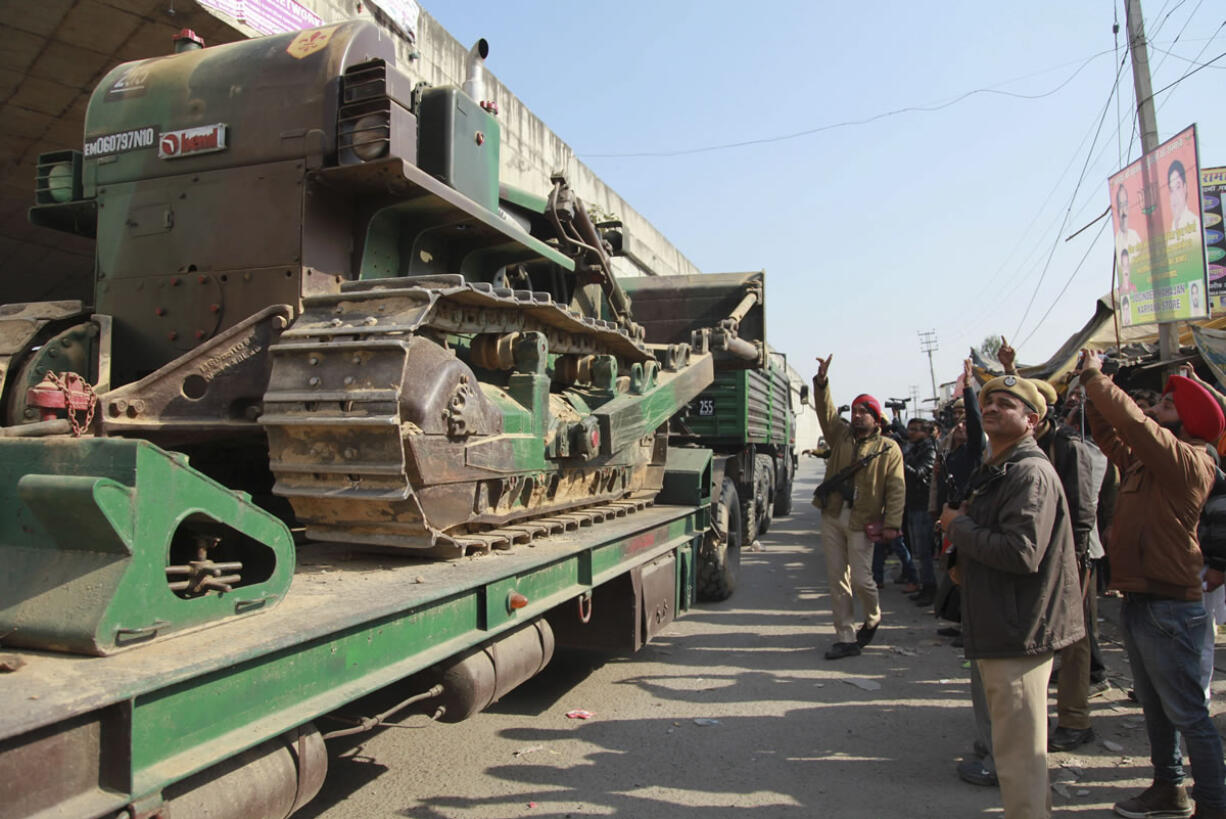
751	716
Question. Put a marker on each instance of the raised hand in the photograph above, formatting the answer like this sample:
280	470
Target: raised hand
1188	371
967	377
1006	355
1088	362
823	364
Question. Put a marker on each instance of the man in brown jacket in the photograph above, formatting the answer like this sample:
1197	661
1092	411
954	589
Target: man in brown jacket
1156	562
1020	598
872	496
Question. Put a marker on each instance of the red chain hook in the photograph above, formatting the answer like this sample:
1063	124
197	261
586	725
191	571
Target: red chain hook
64	391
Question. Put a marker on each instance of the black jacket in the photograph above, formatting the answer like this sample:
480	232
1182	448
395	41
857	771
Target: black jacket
1211	531
957	465
918	460
1073	460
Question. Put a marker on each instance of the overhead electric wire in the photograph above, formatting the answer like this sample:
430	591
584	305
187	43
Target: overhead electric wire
1007	293
1056	226
850	123
1153	94
1122	160
1189	73
1189	59
1102	226
1196	61
1172	11
991	280
1076	189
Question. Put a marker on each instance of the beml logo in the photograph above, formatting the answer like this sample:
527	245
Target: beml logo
207	139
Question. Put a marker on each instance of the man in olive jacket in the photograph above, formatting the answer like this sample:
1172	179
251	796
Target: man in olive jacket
873	497
1166	475
1020	597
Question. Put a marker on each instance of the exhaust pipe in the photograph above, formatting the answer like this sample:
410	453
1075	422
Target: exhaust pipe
474	71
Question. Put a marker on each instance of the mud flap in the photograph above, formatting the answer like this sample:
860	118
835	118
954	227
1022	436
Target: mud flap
658	583
624	613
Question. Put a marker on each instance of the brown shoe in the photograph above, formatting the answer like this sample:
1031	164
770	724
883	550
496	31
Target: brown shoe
1161	800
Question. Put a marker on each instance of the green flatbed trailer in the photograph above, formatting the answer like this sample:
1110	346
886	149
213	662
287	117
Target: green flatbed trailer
220	720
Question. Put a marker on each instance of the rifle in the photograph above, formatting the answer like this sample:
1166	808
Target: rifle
840	481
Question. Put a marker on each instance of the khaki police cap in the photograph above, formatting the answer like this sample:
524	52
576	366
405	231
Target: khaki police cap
1047	390
1021	388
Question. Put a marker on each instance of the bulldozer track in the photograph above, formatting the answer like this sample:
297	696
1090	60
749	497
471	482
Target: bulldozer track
528	531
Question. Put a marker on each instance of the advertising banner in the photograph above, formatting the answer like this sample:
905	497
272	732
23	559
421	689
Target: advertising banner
403	13
1212	191
267	16
1159	243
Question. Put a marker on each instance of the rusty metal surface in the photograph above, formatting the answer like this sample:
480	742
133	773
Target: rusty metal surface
217	388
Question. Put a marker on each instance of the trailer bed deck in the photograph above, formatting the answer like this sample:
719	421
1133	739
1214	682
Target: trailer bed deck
101	732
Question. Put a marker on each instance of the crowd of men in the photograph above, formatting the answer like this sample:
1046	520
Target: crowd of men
1009	519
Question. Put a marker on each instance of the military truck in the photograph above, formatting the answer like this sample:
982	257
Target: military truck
745	416
345	416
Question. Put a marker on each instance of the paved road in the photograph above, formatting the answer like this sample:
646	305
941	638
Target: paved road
732	708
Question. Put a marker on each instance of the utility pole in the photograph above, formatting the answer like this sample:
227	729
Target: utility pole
1168	337
913	391
928	344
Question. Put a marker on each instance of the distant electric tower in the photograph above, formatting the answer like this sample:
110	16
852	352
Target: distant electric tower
928	344
914	391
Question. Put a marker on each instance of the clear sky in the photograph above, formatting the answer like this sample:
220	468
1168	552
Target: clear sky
940	219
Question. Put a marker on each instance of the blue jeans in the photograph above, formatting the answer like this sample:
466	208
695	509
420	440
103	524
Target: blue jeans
882	550
922	539
1164	639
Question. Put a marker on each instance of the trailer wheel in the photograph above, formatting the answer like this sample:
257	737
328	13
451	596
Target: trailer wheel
783	492
766	493
720	556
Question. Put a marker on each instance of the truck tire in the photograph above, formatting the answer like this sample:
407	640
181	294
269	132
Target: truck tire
720	556
766	493
783	492
747	494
